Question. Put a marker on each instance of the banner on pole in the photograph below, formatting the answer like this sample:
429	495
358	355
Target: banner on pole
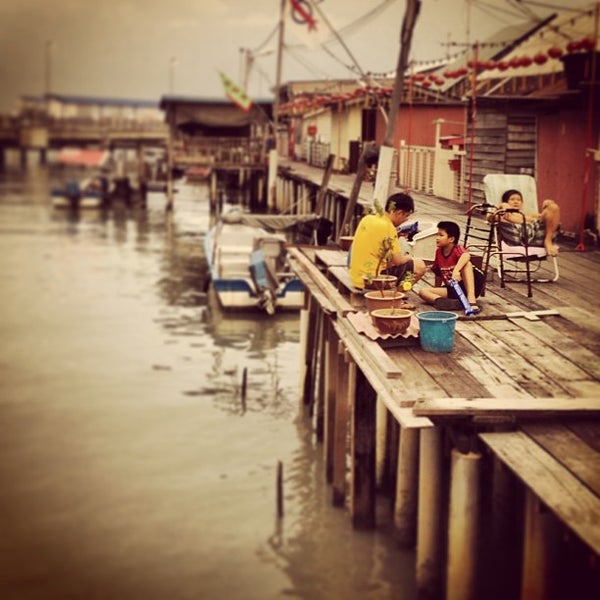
235	93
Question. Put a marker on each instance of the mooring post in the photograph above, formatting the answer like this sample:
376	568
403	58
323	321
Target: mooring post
405	510
463	526
362	505
346	383
430	536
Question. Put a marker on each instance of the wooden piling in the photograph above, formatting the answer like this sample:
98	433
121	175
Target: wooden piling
381	442
540	556
430	537
332	361
244	388
362	506
463	526
405	509
346	383
279	489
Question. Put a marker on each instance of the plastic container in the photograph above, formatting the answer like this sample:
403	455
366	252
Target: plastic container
436	330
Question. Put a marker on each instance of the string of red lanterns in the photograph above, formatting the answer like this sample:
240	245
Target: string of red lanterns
303	103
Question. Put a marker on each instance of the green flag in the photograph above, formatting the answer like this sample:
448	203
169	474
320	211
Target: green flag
236	94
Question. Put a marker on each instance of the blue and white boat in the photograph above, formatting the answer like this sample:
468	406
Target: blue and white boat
91	192
249	265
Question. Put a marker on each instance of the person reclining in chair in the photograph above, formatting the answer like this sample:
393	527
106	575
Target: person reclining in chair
540	228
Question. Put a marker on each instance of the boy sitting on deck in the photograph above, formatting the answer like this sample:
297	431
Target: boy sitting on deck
452	261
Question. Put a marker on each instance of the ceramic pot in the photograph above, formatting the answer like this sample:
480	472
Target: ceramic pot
380	282
391	320
383	299
345	241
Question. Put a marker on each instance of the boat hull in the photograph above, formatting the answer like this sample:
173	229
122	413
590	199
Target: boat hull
240	294
238	270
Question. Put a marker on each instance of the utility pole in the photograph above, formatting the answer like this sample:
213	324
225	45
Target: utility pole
172	65
48	67
386	152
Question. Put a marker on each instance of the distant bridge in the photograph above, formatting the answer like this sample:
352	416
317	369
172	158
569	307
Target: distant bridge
44	134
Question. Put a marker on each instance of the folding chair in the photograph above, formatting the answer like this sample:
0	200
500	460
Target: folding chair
518	263
479	238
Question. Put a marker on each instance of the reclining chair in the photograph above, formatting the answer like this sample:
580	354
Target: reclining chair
518	263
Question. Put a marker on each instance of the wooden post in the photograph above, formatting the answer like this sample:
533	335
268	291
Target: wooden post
346	384
381	442
324	185
540	555
304	328
463	526
318	374
430	537
363	454
332	361
502	568
405	510
311	344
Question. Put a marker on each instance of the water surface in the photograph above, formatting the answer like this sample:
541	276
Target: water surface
129	466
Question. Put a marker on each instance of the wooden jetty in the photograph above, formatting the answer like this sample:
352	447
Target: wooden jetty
490	453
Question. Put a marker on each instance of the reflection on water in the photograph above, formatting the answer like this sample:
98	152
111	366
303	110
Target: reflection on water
130	467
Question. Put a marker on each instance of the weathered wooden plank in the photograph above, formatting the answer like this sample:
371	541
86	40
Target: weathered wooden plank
319	286
552	364
500	384
521	407
367	354
568	449
560	490
453	378
331	258
565	346
527	377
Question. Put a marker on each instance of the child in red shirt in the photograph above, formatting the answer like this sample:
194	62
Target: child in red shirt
452	262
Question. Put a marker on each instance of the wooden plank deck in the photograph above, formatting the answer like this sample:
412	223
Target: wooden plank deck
516	372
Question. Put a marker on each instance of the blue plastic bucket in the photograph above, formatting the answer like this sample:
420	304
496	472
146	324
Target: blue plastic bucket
436	330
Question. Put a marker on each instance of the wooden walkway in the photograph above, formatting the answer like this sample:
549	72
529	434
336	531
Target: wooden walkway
490	452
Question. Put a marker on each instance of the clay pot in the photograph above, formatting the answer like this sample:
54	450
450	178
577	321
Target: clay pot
345	241
383	299
380	282
391	320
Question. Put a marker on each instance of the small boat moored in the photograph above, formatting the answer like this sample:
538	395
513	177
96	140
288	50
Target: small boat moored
249	265
91	192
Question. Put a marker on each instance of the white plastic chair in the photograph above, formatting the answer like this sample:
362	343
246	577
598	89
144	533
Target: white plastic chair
516	261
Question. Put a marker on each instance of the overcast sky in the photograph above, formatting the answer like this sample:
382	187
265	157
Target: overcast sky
144	49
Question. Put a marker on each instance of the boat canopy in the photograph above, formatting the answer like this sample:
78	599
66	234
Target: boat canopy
83	157
269	222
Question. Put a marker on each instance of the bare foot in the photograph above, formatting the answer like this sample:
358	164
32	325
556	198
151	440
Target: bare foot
551	249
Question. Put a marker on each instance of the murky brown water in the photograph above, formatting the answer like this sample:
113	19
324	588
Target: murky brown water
128	468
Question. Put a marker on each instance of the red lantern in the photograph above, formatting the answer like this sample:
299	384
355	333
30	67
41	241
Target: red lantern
426	84
418	77
587	44
525	61
461	72
514	62
501	65
311	130
555	52
540	58
573	46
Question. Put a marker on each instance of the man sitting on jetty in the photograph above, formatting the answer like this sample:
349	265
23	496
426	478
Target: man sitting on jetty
373	232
